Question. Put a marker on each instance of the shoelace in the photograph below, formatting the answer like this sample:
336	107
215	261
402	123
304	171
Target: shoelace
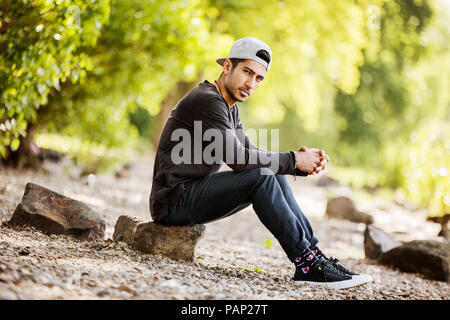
335	263
323	265
339	266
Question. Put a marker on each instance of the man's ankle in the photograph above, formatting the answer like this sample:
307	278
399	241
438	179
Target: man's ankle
305	261
317	252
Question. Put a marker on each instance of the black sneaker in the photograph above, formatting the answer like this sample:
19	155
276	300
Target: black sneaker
325	275
335	263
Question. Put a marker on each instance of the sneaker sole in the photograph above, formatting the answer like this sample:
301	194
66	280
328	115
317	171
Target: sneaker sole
355	281
367	277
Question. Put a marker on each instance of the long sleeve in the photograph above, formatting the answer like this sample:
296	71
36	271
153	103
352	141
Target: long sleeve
227	147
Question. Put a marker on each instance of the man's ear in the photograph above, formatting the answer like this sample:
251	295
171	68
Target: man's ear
227	66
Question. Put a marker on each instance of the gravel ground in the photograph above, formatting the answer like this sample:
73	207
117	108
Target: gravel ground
237	259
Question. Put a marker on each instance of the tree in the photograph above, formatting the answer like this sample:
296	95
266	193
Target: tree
135	62
42	44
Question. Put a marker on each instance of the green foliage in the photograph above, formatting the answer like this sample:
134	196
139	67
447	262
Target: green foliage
136	62
372	115
132	64
138	58
317	47
420	168
396	122
41	45
142	120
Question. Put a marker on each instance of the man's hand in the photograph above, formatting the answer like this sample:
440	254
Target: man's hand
311	160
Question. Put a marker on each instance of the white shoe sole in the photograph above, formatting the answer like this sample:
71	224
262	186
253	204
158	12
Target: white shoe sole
355	281
367	277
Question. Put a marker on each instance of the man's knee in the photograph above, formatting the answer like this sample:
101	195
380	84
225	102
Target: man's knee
260	172
257	176
281	178
266	172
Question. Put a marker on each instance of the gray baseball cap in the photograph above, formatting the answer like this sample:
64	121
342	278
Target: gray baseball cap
246	48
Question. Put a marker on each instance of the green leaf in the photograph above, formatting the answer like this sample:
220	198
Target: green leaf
15	144
2	151
268	243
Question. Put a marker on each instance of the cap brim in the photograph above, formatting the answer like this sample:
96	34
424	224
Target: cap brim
221	61
262	62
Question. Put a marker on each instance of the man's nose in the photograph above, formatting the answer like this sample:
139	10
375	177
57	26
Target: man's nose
250	83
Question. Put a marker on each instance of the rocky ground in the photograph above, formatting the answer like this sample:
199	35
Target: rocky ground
237	259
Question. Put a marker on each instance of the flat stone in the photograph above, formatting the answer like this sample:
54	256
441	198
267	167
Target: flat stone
427	257
125	228
175	242
377	242
53	213
344	208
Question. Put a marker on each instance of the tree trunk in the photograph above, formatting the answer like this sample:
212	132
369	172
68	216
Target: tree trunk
26	155
180	89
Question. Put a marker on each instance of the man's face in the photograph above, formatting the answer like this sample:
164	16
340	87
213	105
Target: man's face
243	79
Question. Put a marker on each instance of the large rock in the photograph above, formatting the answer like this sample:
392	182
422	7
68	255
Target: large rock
427	257
443	221
344	208
54	213
175	242
377	242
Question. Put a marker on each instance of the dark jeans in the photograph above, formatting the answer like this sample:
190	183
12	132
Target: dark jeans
222	194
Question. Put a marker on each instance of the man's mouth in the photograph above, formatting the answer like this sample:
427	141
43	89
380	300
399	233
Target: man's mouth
244	92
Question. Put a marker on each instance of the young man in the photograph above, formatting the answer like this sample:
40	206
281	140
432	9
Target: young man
188	189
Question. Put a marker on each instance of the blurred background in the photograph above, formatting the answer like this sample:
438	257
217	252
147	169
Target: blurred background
367	81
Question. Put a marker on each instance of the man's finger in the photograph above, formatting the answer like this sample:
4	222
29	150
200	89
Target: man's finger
325	157
319	152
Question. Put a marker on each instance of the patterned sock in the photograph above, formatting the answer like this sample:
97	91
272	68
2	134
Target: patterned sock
306	260
317	252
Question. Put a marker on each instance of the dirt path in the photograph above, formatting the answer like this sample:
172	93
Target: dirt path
237	259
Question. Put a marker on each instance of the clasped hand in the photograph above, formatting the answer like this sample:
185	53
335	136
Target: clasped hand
311	160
